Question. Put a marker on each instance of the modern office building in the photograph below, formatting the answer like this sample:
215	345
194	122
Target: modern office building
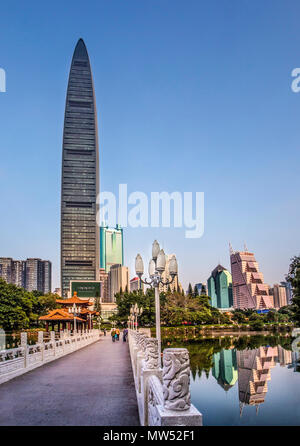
31	274
111	247
249	289
289	292
118	280
219	287
201	287
80	176
136	284
225	368
279	295
105	287
174	286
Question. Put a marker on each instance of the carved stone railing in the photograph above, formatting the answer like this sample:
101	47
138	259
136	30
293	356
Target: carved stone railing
16	361
163	394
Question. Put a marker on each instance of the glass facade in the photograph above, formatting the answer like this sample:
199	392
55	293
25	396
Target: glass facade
80	176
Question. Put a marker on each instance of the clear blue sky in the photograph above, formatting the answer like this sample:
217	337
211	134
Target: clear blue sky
191	96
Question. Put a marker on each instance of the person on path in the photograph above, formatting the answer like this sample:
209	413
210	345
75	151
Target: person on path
125	334
118	334
113	335
104	331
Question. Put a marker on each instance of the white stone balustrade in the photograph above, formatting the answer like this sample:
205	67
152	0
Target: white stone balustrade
163	394
16	361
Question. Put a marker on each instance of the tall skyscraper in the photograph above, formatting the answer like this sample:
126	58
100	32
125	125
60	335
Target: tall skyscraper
111	247
279	295
249	289
80	176
118	279
219	287
289	291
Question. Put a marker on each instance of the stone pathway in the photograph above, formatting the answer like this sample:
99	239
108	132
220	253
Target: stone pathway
91	387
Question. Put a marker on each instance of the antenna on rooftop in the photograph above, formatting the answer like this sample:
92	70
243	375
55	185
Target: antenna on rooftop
230	249
245	247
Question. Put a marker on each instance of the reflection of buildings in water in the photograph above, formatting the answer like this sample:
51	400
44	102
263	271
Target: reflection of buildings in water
295	362
284	356
225	368
254	371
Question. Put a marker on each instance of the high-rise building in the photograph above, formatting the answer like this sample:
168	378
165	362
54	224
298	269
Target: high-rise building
279	295
80	176
289	291
225	368
136	284
47	274
34	275
219	287
249	289
201	287
111	247
6	269
105	287
118	279
19	273
31	274
166	276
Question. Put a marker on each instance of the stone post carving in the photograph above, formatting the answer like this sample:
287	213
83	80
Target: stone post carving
41	342
176	379
24	346
151	353
141	342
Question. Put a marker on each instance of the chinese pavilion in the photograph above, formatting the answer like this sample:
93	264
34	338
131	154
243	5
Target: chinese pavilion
74	312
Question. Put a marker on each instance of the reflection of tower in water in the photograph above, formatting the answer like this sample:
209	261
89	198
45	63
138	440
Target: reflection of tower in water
254	368
225	368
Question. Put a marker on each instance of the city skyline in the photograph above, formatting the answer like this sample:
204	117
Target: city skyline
131	87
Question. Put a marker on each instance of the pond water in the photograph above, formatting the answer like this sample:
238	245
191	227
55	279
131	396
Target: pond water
244	381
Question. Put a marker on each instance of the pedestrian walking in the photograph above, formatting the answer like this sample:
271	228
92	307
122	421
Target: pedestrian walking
125	334
118	334
113	335
104	331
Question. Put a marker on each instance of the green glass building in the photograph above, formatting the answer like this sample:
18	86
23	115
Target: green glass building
219	287
111	247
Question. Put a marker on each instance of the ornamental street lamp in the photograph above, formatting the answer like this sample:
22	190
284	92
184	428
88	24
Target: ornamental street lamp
156	268
76	312
135	312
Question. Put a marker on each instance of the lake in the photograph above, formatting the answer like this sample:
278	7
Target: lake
245	380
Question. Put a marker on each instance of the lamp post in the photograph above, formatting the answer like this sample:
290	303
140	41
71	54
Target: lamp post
75	311
156	268
135	311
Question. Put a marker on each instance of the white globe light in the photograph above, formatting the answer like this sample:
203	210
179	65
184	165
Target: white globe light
161	261
155	249
173	268
151	268
139	265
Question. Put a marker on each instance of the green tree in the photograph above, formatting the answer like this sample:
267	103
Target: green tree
190	290
294	278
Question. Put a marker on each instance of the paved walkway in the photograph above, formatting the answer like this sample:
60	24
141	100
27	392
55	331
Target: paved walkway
91	387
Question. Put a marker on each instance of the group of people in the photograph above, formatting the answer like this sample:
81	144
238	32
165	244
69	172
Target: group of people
115	334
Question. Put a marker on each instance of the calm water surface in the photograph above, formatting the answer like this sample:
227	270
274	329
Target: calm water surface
244	381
